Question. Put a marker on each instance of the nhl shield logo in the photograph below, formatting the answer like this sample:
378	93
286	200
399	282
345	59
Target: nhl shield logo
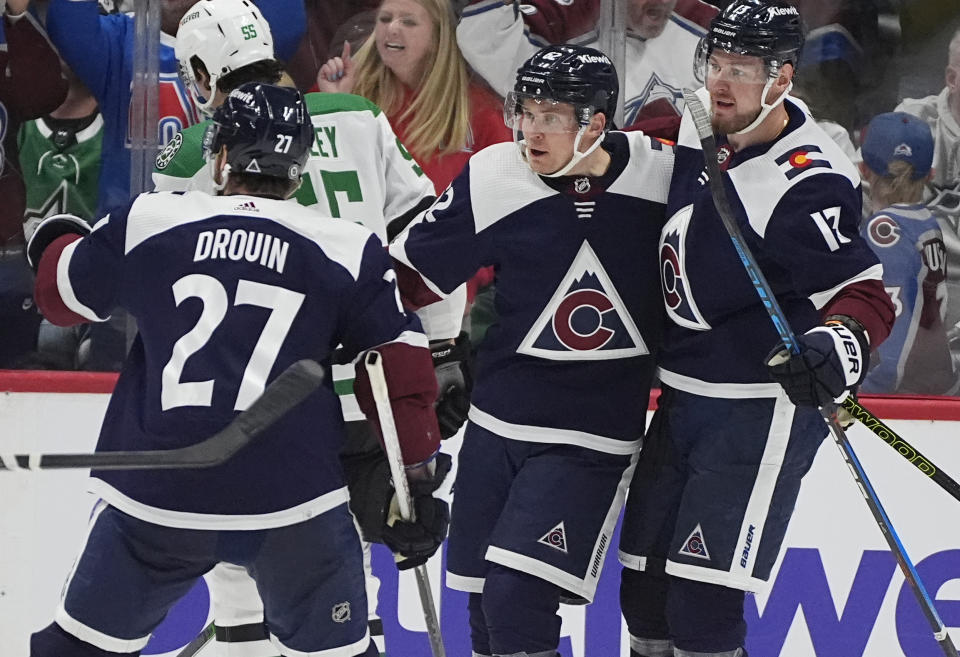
340	612
555	538
585	319
695	546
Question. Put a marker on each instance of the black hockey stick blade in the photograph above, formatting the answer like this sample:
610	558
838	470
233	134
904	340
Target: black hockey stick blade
291	387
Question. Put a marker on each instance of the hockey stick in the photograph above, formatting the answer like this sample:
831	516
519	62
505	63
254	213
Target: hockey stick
391	443
865	417
291	387
705	133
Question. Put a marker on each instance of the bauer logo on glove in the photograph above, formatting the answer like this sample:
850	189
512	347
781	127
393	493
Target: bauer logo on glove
831	362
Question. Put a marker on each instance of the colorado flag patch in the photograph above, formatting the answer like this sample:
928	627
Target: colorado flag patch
796	161
585	319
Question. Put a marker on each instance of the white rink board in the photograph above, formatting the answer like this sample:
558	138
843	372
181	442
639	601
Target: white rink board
837	595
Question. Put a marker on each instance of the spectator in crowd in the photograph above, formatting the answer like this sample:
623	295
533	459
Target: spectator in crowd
30	85
78	29
329	23
942	113
897	153
662	37
411	67
60	158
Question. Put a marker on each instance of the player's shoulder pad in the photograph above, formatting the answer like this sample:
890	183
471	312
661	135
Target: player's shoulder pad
183	154
764	182
319	103
647	174
501	183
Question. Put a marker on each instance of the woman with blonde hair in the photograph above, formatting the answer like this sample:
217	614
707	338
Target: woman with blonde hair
412	68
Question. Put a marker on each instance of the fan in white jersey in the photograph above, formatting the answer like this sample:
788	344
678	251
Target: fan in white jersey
662	38
357	170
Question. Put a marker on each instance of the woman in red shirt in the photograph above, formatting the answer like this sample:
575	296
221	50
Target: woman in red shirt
412	68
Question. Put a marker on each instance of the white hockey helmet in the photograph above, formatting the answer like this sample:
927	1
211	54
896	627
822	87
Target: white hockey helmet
225	35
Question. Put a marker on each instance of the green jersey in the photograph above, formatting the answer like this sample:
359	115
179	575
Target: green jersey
61	168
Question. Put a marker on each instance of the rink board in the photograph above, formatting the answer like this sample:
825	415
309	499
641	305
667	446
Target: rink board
836	592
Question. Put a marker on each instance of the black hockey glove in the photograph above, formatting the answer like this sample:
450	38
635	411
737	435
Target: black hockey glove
833	360
412	543
451	364
48	230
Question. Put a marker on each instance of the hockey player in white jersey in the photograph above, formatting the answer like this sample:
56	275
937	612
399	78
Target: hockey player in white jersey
662	37
357	170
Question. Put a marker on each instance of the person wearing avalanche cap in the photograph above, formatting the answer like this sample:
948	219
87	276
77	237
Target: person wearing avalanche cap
737	425
897	163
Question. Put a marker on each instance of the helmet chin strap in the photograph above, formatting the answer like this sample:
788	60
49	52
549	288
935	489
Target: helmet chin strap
574	159
765	109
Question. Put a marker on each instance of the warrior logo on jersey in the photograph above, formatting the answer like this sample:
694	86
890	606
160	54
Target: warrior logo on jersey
695	546
883	231
555	538
586	319
677	294
801	158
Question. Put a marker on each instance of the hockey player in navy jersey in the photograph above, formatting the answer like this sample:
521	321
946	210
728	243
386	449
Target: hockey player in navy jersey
228	291
732	438
897	163
569	217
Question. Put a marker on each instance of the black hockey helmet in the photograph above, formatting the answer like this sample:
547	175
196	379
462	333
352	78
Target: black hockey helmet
581	76
266	129
769	29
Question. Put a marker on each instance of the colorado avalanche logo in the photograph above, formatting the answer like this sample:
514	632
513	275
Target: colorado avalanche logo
676	288
883	230
586	318
695	546
555	538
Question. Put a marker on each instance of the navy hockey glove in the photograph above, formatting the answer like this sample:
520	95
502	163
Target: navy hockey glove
451	364
833	360
412	543
48	230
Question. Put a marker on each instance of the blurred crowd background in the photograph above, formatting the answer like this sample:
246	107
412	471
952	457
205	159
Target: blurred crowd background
72	93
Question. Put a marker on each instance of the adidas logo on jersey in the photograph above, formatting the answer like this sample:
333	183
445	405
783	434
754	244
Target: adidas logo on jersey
555	538
247	206
585	319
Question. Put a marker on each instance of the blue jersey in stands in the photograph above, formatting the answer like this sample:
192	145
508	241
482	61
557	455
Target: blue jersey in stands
579	314
100	50
797	202
915	357
228	291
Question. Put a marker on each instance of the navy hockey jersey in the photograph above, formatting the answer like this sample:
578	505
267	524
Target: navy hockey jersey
579	315
228	291
916	357
797	202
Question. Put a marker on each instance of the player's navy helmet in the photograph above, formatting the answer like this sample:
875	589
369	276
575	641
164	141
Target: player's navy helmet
581	76
266	129
769	29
